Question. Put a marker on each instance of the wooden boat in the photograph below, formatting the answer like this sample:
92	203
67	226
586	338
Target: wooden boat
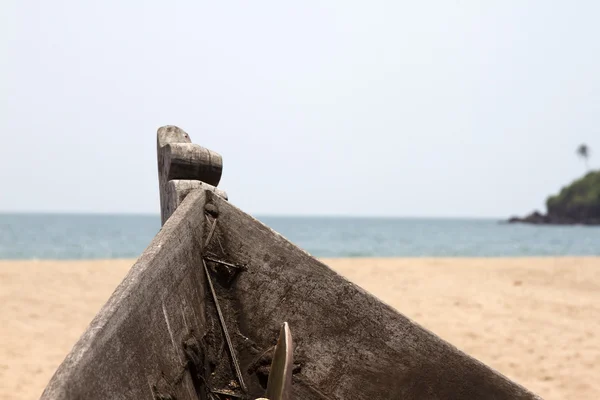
198	315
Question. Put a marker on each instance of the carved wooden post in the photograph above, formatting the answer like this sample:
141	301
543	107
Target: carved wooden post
183	167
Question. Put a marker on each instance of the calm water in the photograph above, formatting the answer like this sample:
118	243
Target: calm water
39	236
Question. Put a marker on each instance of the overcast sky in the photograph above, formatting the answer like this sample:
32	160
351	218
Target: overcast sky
420	108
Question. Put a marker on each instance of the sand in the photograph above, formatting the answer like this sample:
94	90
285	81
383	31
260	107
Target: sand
536	320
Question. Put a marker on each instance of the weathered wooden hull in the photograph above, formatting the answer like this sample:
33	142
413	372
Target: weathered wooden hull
199	313
159	335
134	344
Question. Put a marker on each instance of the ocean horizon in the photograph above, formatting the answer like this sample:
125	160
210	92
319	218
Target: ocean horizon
65	236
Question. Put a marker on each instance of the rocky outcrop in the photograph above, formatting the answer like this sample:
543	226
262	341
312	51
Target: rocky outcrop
534	218
538	218
577	203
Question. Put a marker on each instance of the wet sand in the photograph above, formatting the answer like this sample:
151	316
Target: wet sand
536	320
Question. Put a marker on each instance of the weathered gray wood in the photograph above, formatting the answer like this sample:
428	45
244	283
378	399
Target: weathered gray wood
176	191
350	345
134	347
160	335
179	159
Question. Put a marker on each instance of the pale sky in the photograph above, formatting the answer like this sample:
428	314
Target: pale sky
395	108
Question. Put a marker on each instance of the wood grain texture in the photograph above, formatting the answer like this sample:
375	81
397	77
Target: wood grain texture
349	344
160	337
179	159
134	348
176	191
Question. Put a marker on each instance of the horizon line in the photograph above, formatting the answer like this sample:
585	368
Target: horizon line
277	215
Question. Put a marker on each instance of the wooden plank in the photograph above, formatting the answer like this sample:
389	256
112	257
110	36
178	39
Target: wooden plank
176	191
179	159
134	348
349	344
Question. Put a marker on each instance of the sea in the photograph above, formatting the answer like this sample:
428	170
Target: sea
78	236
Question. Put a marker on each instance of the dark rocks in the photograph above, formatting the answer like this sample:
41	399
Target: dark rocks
537	218
534	218
576	204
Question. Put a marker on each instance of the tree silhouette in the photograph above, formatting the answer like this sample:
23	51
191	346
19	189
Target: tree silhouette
583	151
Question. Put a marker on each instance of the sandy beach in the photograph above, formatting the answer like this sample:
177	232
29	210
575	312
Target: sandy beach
536	320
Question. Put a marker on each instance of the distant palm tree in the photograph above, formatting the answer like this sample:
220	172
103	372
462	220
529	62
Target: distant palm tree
584	152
